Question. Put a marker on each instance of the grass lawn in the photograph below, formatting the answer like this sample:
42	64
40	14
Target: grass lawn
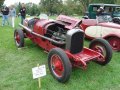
16	68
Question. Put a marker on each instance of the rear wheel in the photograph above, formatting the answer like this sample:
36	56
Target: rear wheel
19	38
103	47
59	65
115	43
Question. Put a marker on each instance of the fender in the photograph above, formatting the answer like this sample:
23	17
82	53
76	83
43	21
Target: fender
112	35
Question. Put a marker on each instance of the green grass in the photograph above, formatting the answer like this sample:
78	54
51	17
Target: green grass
16	65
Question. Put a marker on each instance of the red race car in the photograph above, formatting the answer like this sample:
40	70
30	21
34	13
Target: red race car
102	27
64	42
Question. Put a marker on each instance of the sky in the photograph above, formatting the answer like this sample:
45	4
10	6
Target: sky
10	2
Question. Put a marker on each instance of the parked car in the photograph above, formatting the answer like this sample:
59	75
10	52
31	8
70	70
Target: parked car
109	9
64	43
102	28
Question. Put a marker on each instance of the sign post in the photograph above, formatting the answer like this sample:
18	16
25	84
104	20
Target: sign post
39	79
39	82
39	72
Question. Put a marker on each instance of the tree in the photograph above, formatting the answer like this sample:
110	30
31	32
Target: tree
32	9
17	6
117	1
85	3
1	2
70	7
51	6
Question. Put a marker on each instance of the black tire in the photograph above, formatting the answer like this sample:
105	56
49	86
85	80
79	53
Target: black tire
64	60
106	48
18	34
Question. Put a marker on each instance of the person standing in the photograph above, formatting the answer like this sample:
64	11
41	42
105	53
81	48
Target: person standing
23	12
12	15
100	14
100	11
5	12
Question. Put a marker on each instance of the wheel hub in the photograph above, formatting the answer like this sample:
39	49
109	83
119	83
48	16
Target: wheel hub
100	49
57	65
114	42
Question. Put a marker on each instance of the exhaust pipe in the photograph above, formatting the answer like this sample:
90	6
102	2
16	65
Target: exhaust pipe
41	36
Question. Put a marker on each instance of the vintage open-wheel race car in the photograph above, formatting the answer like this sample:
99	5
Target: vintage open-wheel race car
64	41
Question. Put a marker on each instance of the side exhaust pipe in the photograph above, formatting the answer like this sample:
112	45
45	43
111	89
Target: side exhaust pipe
41	36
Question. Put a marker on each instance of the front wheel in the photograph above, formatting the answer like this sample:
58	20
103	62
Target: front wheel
103	47
59	65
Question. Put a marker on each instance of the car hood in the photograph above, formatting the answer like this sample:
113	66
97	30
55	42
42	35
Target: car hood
70	22
110	24
116	14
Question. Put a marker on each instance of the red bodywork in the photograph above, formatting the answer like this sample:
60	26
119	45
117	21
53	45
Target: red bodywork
80	59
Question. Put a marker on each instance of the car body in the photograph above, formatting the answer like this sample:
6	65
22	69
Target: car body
64	42
103	29
109	9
